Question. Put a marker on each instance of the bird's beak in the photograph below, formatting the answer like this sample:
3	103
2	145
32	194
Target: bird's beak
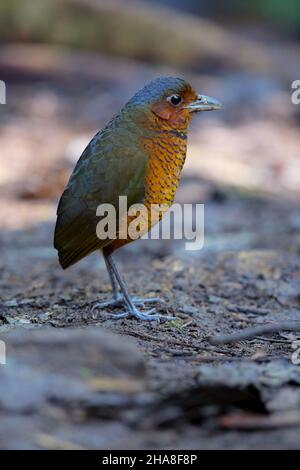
204	103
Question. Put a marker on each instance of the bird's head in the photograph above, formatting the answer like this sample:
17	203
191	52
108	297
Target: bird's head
169	103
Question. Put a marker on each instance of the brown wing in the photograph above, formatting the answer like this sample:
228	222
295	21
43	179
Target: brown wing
103	173
75	231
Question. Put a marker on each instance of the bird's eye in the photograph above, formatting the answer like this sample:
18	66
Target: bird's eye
175	99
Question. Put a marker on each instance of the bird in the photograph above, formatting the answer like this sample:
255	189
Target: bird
139	154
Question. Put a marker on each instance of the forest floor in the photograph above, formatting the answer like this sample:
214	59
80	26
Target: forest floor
76	378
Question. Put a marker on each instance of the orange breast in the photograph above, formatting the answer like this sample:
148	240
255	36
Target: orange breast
166	159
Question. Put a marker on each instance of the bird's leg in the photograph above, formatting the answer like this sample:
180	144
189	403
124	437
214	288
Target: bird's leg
116	293
118	298
131	307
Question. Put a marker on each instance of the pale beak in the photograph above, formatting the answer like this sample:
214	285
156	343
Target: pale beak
204	103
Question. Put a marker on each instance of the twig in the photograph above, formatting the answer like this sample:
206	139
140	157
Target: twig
175	352
173	342
212	358
249	309
249	333
236	358
274	340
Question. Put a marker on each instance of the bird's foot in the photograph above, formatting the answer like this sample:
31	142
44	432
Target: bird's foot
150	315
119	301
115	302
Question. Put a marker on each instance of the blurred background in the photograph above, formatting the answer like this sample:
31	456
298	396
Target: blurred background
69	65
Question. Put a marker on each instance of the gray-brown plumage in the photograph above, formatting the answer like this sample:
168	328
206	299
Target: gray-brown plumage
139	154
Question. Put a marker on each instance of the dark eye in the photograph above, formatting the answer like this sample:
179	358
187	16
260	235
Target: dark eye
175	99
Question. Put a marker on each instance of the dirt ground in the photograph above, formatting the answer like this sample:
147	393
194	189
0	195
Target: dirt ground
76	378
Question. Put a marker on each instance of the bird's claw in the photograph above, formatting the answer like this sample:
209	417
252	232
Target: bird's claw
119	301
150	315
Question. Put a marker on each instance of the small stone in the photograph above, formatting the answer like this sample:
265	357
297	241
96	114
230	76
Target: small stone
189	310
213	299
10	303
24	321
43	316
25	302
